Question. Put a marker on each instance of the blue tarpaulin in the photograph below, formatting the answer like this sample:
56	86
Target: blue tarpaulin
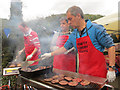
7	32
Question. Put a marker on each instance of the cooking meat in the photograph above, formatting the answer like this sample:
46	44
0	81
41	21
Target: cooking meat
48	79
85	82
18	65
12	65
68	78
77	80
73	83
61	75
60	78
23	69
63	82
41	67
56	76
55	81
29	69
37	69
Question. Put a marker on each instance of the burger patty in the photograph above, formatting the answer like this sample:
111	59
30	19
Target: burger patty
56	76
48	79
73	83
60	78
85	82
63	82
55	81
68	78
77	80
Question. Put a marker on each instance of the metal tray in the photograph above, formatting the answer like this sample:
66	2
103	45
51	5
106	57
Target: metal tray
37	73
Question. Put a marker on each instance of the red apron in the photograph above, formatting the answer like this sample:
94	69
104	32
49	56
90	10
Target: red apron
91	60
29	47
62	61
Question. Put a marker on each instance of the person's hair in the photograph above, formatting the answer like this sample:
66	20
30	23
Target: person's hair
64	18
23	24
74	10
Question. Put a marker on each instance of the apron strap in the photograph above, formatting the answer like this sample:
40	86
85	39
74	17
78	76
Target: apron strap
88	29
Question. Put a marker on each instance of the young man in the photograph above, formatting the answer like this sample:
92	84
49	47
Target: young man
31	44
67	60
89	39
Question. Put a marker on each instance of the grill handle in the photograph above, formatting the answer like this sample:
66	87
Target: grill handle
110	86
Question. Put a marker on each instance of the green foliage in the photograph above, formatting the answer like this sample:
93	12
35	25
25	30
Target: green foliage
92	17
5	80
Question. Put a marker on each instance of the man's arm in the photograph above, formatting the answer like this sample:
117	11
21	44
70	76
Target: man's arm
59	51
34	51
31	55
56	52
111	72
111	54
20	52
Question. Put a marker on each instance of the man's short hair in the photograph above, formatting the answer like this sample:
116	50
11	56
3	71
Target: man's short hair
23	24
74	10
64	18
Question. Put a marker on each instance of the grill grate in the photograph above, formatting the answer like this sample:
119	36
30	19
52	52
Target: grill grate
92	86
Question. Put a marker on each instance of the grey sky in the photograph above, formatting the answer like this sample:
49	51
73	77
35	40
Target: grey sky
43	8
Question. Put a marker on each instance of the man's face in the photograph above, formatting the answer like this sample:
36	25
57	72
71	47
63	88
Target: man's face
73	21
23	29
64	25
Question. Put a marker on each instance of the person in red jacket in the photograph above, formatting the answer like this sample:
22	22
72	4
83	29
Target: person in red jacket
31	45
67	60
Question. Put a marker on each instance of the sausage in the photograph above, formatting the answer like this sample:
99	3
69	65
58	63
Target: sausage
85	82
73	83
55	81
63	82
77	80
68	78
48	79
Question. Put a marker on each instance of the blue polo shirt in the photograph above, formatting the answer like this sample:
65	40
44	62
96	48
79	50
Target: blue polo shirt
97	33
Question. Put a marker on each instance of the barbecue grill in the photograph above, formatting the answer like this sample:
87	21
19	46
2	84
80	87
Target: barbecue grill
39	82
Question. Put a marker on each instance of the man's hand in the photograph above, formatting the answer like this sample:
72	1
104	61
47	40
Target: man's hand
29	57
111	76
46	55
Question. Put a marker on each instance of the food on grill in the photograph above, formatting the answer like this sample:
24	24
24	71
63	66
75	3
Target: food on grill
48	79
77	80
85	82
55	81
68	78
61	75
18	65
37	69
56	76
63	82
23	69
60	78
73	83
12	65
29	70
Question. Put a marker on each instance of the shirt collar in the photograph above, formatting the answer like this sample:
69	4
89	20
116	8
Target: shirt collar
88	25
27	34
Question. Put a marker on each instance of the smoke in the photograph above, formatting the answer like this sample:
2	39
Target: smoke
44	27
